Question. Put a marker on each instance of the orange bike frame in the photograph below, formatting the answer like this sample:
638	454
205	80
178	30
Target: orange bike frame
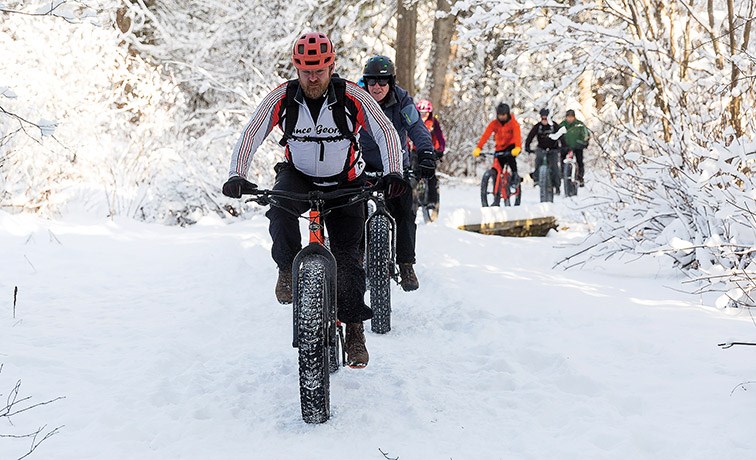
317	235
498	189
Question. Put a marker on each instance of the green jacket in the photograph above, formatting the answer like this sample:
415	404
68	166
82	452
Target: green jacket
577	135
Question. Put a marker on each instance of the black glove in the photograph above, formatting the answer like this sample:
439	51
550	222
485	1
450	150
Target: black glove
426	162
235	186
439	154
395	185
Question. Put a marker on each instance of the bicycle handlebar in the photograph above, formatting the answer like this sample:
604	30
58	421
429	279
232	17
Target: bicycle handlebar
263	196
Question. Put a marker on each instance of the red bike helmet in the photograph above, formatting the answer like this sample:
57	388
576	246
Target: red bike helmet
424	105
312	51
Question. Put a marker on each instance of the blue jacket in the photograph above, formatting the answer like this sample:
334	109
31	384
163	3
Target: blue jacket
400	109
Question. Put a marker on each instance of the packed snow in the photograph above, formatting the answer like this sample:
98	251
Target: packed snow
168	343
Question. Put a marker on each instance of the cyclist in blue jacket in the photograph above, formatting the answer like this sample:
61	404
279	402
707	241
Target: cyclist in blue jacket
379	76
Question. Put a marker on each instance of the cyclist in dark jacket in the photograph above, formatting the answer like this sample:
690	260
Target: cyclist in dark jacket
379	76
542	132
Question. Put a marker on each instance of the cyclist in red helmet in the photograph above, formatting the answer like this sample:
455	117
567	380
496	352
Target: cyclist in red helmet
425	107
319	114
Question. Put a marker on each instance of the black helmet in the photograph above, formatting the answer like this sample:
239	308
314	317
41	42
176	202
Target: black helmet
379	66
502	109
544	112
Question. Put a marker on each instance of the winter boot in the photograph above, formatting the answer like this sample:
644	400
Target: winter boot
409	280
357	354
283	287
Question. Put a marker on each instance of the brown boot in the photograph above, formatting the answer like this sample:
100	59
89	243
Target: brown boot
357	354
409	280
283	287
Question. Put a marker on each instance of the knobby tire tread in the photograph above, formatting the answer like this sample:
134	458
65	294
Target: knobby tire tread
487	186
379	264
314	381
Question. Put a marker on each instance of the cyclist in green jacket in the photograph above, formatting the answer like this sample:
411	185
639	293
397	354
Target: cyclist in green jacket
576	139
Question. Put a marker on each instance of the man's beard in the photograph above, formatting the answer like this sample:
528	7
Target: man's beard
314	90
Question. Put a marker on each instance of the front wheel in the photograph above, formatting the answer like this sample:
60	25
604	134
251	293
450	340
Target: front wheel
489	195
570	187
312	304
379	266
544	183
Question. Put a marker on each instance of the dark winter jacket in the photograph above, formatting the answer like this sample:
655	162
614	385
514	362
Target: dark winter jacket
542	132
577	135
401	110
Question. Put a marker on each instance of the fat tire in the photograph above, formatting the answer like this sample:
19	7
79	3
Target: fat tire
379	265
313	339
544	183
487	186
570	187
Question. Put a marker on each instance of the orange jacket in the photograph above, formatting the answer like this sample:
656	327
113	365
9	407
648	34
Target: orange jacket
505	134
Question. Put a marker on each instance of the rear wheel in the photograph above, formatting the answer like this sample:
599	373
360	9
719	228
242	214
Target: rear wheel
544	183
488	192
312	304
417	194
379	265
430	207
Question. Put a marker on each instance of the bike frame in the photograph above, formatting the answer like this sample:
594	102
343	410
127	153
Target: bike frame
316	246
502	172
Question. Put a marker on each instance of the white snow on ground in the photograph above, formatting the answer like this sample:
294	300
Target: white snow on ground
168	343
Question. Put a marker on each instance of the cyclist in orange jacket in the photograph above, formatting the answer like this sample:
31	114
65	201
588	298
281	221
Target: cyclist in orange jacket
506	131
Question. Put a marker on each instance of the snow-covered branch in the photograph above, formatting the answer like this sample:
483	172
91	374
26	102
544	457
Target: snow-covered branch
16	404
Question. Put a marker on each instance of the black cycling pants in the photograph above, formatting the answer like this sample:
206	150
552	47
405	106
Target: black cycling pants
345	228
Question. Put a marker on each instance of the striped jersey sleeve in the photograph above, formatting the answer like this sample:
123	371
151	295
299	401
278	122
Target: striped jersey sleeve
371	117
266	117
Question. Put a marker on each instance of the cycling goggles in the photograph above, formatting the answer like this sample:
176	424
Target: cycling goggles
377	81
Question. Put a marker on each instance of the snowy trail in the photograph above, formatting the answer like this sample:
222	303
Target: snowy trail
168	343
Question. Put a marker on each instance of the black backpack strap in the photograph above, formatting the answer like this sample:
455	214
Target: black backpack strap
339	118
339	109
292	111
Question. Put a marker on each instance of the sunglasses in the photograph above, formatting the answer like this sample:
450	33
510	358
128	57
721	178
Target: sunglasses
377	81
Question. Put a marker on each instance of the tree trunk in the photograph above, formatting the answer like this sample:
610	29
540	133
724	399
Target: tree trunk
406	44
714	38
735	102
441	53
